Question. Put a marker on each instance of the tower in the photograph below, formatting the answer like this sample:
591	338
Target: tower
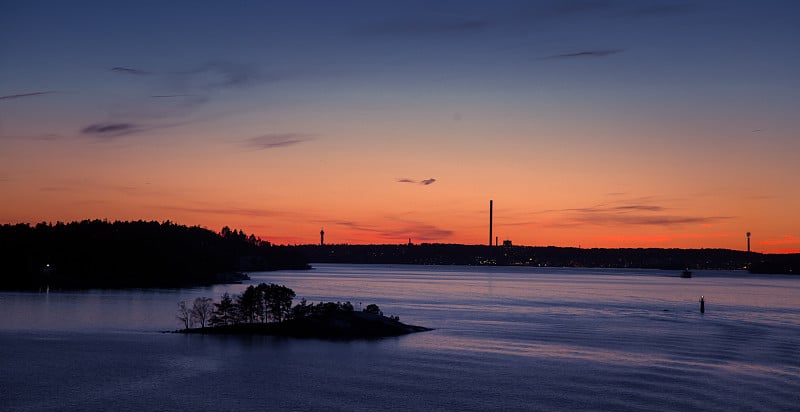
748	242
322	237
490	222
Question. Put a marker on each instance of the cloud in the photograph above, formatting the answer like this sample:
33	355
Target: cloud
128	70
586	53
111	130
424	182
785	240
275	140
213	75
22	95
427	26
660	238
401	230
228	211
663	9
580	6
624	215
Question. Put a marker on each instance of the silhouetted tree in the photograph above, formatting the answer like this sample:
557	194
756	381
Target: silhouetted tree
184	314
202	310
374	309
278	300
247	303
225	312
301	309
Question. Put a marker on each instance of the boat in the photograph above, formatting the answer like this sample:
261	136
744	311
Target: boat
686	273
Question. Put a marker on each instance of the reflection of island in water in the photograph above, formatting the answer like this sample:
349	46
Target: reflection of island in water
267	310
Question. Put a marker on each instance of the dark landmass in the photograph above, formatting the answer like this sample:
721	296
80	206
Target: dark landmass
267	309
648	258
140	254
334	325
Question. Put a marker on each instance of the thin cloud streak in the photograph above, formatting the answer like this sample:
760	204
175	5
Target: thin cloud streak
427	26
23	95
128	70
663	10
585	53
406	229
111	130
275	140
623	215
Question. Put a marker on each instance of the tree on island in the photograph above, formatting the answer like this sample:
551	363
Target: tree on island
374	309
184	314
261	304
266	309
225	312
202	310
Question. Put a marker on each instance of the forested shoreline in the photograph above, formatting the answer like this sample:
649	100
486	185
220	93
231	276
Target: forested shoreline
132	254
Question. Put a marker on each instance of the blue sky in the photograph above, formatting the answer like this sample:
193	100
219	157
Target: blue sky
662	101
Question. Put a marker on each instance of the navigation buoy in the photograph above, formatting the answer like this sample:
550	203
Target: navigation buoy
702	304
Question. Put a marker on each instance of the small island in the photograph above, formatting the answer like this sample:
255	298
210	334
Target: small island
267	309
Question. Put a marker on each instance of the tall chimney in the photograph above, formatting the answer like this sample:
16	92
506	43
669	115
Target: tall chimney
490	223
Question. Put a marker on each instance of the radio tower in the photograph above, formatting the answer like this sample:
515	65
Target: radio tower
748	242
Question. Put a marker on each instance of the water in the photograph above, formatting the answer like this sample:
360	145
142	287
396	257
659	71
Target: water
505	338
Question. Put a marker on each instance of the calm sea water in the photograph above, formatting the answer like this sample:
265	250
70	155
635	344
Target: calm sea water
504	338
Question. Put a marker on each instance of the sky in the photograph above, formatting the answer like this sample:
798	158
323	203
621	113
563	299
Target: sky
589	123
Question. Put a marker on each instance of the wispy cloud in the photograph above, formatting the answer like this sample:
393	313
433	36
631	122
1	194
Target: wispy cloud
427	26
213	75
276	140
23	95
623	215
227	211
400	230
128	70
585	53
663	9
660	238
785	240
424	182
111	130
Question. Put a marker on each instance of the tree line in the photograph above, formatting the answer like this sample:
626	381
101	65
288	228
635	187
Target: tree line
120	254
264	303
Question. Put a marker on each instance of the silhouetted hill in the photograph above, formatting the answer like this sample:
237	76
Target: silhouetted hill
102	254
454	254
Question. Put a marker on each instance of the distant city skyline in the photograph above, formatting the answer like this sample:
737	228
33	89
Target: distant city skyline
589	123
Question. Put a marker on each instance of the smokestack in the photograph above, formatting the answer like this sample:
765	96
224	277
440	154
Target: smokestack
490	223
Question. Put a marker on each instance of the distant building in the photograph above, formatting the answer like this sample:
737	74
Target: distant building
506	243
322	237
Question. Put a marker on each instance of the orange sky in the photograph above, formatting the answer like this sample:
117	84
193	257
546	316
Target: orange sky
594	128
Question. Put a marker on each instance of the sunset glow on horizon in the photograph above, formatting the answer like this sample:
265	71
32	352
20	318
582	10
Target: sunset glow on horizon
589	124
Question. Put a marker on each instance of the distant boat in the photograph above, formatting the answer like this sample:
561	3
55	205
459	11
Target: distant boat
686	273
